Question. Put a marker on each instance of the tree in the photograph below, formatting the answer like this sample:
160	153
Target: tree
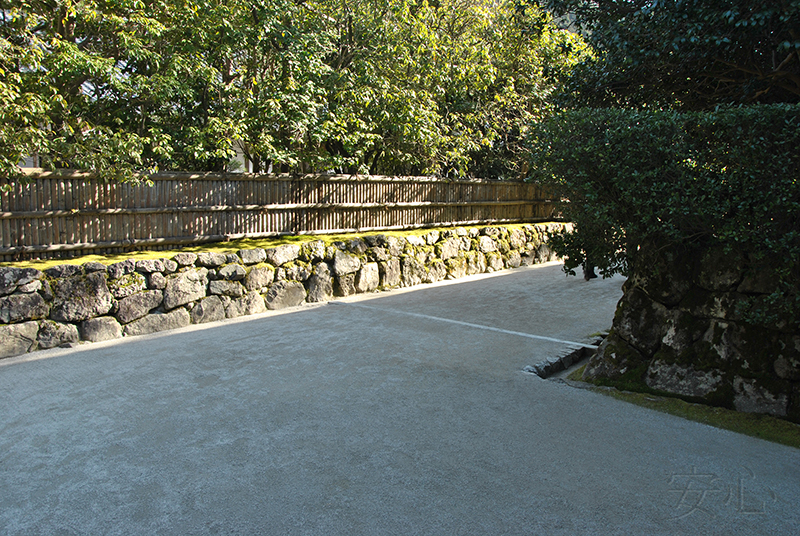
119	87
686	54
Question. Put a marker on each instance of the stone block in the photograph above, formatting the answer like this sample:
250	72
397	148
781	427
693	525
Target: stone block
250	304
252	256
282	254
156	322
208	309
368	277
102	328
17	339
391	273
138	305
320	284
185	287
81	297
285	294
22	307
259	277
345	263
52	334
127	285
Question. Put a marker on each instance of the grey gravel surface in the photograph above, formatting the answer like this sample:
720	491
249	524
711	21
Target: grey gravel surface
399	413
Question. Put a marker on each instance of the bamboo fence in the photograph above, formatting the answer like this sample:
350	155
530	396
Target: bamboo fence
57	215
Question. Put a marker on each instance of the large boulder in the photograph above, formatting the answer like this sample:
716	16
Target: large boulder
155	322
259	277
209	309
52	334
252	256
283	254
368	277
127	285
185	287
16	339
80	297
22	307
138	305
391	273
345	263
320	284
102	328
11	278
251	303
285	294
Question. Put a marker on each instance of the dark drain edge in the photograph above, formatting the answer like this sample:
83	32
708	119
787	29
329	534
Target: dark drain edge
551	366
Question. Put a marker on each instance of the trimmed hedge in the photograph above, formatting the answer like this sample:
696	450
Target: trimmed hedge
677	183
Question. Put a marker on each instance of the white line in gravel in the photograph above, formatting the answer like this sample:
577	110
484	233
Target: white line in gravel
467	324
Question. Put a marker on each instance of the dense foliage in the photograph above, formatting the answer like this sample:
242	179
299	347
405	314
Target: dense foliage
687	54
444	87
679	182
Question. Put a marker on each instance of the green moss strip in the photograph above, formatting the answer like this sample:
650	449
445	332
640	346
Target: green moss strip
761	426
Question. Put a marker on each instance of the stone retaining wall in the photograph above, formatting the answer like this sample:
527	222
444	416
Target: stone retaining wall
681	331
67	304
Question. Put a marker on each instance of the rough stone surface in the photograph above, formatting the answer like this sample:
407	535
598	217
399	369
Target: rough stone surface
494	262
345	285
486	244
93	266
416	241
185	259
391	274
252	256
259	277
282	254
437	271
170	266
156	281
210	259
127	285
102	328
232	272
16	339
155	322
448	249
11	278
33	286
64	270
788	368
285	294
138	305
640	321
513	259
80	298
148	266
22	307
357	246
52	334
313	251
251	303
753	398
293	272
368	277
432	237
476	263
185	287
413	271
456	268
682	380
345	263
208	309
118	269
396	245
233	289
615	359
320	284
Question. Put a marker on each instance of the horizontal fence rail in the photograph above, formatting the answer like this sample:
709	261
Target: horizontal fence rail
55	215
